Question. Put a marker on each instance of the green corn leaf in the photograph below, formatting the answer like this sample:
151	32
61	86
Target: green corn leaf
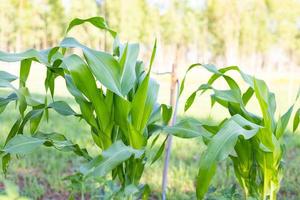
228	95
216	74
209	67
14	130
86	107
103	65
52	52
139	103
22	144
117	153
143	103
188	128
62	108
40	56
191	98
31	115
121	113
159	151
247	78
166	112
5	84
7	76
55	70
152	55
73	89
22	100
24	71
247	95
283	122
49	82
85	82
224	96
98	22
29	99
190	101
61	143
220	146
5	101
266	102
151	99
154	140
106	69
136	138
127	63
296	120
35	121
159	113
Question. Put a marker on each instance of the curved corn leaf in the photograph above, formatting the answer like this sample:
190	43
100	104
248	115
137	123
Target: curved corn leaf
5	101
209	67
85	82
40	56
35	121
22	144
166	113
296	120
152	55
283	122
98	22
159	151
61	143
142	107
128	61
103	65
7	76
24	71
117	153
188	128
62	108
14	130
143	104
220	146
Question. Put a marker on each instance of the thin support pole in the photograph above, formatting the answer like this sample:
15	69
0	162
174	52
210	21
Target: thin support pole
174	103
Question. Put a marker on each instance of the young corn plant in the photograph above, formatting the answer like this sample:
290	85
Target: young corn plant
115	96
253	143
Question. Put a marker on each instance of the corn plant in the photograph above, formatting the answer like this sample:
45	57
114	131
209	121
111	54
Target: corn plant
115	96
252	142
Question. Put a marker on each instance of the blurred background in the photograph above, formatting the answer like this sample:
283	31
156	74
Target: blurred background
260	36
255	34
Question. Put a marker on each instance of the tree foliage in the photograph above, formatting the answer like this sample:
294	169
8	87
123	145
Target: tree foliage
233	31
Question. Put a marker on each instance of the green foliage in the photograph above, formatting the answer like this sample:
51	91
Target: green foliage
253	143
243	30
115	96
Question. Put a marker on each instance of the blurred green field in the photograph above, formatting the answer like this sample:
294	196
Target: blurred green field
40	175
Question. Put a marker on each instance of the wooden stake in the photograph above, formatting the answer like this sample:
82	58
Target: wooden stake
173	103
